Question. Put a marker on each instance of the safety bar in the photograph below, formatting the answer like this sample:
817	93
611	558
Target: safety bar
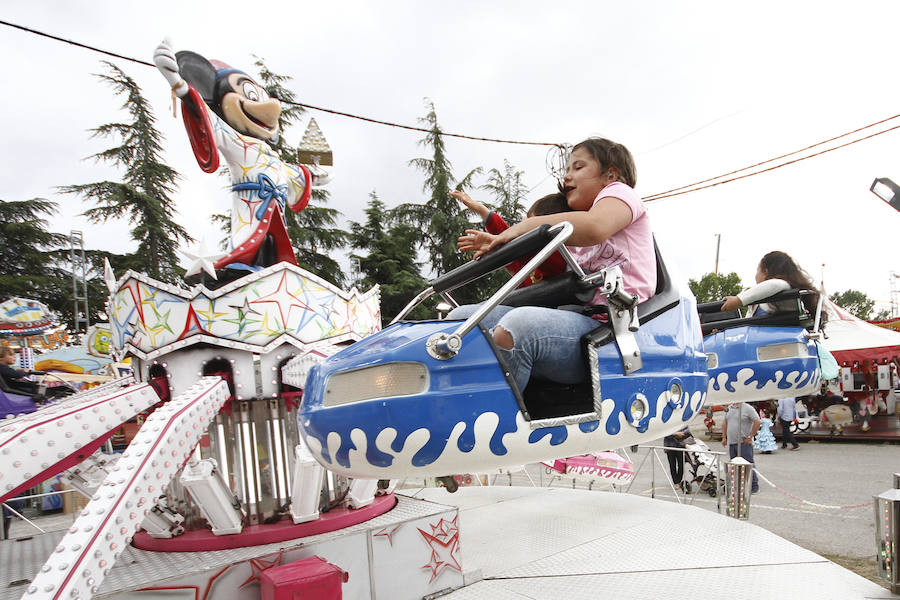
443	346
711	307
525	244
783	319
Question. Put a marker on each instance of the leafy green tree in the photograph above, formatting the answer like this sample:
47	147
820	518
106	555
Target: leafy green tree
882	315
508	191
856	303
143	197
314	232
390	259
714	286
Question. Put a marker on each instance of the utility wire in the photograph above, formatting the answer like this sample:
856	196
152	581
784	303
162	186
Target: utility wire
85	46
658	196
663	195
310	106
422	129
668	193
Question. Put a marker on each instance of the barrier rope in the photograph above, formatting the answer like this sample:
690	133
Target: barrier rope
802	501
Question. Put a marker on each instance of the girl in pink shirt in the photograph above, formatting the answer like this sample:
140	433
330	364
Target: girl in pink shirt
611	227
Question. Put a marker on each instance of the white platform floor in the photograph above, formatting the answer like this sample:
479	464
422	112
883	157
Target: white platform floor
567	544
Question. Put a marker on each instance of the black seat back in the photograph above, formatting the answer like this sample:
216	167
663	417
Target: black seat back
712	319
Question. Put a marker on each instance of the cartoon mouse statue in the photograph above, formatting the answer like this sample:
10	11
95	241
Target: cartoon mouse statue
226	112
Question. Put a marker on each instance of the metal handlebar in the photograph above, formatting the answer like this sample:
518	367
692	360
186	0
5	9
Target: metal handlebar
444	346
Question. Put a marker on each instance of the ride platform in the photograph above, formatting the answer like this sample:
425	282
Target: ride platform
495	543
562	543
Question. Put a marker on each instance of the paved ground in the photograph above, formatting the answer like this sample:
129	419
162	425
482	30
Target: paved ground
830	477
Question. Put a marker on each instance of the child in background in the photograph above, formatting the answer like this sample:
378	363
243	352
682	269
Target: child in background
494	223
765	440
775	273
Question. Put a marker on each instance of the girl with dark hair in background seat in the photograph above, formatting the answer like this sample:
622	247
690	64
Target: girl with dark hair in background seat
776	272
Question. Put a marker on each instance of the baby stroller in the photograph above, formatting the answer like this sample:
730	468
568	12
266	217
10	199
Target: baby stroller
700	469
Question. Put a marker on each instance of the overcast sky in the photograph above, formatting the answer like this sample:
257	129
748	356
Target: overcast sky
694	89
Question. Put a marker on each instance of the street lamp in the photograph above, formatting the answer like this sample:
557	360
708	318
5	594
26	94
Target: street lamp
887	190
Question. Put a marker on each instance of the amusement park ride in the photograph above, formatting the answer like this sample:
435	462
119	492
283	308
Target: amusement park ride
282	415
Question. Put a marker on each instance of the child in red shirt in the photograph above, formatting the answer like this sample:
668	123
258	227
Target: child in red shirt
494	224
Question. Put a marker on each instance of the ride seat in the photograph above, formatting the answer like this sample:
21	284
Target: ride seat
712	319
545	399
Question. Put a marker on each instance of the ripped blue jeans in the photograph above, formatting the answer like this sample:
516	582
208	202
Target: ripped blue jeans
546	341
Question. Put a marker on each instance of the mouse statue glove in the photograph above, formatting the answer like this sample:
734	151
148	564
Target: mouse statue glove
164	59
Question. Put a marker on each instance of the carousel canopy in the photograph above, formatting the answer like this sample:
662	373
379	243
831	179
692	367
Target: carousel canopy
853	340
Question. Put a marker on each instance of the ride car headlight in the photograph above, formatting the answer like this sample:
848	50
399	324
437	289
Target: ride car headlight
776	351
381	381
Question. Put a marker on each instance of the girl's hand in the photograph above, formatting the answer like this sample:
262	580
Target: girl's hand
482	242
731	303
475	206
475	241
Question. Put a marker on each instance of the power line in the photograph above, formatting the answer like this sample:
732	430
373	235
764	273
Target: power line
85	46
310	106
413	128
790	162
678	191
669	193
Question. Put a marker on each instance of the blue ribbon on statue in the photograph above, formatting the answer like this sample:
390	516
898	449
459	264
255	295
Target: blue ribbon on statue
265	190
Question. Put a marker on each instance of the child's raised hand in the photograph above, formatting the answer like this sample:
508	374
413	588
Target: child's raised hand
474	205
475	241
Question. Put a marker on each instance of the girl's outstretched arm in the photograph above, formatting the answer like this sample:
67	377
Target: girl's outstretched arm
474	205
607	217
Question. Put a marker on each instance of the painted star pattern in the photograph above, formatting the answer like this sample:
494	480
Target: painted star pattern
443	541
277	301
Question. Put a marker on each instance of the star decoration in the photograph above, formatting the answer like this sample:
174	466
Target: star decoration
444	547
210	314
258	565
283	299
202	261
242	319
388	533
444	529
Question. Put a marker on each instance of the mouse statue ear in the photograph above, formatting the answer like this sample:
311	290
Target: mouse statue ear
198	72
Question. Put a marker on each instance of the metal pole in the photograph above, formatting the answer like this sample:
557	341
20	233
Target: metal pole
718	245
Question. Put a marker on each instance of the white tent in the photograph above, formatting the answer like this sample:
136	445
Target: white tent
851	339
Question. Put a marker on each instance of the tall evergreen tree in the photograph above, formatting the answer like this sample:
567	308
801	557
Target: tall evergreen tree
440	219
36	261
29	268
315	234
508	191
389	259
144	194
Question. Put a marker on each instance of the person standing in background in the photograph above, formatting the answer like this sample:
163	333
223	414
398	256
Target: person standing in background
741	424
787	412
